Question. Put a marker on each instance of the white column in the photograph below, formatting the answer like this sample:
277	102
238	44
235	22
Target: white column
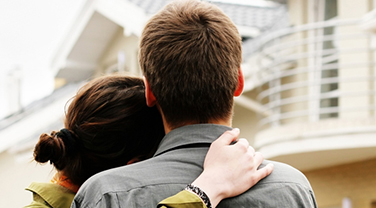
347	10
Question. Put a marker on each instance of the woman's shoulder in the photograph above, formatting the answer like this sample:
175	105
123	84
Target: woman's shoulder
50	195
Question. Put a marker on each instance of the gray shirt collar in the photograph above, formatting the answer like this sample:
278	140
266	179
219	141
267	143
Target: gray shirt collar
190	135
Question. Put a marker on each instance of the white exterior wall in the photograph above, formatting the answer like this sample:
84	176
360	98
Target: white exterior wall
354	9
125	44
344	129
297	10
246	120
17	172
3	105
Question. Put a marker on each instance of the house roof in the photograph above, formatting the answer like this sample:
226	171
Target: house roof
45	115
99	20
242	15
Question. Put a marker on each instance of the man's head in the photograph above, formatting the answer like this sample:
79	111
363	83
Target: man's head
190	54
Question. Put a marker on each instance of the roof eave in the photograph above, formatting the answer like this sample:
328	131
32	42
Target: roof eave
122	13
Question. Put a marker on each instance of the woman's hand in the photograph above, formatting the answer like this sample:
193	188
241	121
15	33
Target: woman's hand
230	169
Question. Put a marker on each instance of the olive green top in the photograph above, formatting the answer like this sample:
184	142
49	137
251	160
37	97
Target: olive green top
183	199
56	196
50	195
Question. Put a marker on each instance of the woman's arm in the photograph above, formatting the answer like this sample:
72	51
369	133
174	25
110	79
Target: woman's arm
229	170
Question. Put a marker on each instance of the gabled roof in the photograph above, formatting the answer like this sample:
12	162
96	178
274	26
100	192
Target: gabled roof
252	16
78	55
42	116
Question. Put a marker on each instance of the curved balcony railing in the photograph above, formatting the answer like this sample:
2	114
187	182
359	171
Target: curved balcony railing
314	72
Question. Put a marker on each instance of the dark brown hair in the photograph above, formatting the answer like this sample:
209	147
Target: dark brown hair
190	53
107	124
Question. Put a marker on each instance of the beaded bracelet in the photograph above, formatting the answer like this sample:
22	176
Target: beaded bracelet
199	193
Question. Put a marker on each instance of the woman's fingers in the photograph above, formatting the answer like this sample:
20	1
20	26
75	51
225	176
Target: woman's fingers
230	167
260	174
243	144
258	158
228	137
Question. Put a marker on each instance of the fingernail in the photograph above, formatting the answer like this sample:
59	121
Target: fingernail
236	129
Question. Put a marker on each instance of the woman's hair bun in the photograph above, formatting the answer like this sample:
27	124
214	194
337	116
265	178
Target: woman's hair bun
50	148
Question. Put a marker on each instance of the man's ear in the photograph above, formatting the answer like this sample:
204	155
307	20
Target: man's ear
150	98
240	87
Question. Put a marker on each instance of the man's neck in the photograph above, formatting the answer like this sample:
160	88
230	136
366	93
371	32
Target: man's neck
168	127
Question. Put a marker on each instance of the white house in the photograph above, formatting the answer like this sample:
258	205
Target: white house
104	39
316	81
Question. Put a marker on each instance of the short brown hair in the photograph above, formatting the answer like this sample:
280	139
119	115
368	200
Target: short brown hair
110	124
190	53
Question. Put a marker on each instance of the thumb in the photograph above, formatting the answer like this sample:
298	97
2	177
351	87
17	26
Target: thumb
228	137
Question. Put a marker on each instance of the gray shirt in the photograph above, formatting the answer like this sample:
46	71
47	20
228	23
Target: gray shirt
177	162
